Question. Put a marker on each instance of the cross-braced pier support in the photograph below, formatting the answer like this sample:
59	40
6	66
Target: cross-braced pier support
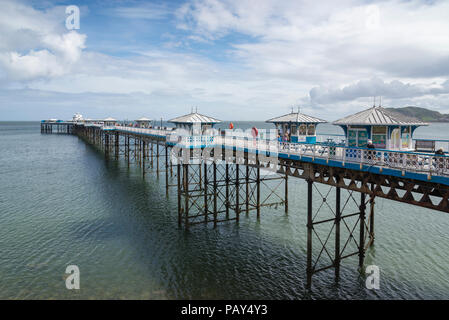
142	151
326	218
218	191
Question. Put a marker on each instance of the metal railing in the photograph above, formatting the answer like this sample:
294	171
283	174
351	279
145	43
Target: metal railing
146	131
400	160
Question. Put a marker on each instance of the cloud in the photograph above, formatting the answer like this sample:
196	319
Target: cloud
375	87
33	44
394	38
147	11
249	60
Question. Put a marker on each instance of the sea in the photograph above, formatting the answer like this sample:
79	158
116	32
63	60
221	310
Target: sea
62	204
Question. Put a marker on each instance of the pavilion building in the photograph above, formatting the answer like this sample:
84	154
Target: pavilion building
387	129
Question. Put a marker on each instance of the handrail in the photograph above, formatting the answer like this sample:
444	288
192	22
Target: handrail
400	160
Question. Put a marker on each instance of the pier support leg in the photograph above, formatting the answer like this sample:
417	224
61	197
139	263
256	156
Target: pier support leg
178	176
215	193
337	232
117	137
362	230
227	190
106	145
206	199
237	193
166	170
371	219
127	149
186	195
286	190
151	154
309	234
144	145
247	189
258	190
157	159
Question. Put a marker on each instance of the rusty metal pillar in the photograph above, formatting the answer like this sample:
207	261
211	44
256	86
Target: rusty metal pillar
186	194
371	217
247	189
143	157
127	149
206	202
337	232
151	154
215	194
286	190
237	194
178	176
157	159
117	144
200	179
309	233
227	190
258	188
166	170
362	230
106	145
135	150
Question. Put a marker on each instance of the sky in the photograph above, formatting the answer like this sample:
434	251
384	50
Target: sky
231	59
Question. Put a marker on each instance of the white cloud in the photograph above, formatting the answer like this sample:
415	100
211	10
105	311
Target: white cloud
376	87
147	11
402	48
33	44
331	57
394	38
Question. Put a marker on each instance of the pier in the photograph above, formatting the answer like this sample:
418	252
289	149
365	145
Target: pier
220	175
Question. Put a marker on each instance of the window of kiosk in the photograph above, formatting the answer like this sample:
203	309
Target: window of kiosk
380	137
206	127
311	130
196	129
302	130
294	130
357	137
406	137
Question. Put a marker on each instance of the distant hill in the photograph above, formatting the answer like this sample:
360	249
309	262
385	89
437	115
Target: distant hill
422	114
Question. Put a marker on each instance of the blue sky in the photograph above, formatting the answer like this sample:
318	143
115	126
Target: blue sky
233	59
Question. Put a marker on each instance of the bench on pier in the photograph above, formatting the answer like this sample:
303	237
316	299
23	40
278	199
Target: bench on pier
424	145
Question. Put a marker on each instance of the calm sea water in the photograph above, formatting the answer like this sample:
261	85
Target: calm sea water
61	203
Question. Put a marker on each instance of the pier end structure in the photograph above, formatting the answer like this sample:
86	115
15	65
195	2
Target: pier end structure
385	128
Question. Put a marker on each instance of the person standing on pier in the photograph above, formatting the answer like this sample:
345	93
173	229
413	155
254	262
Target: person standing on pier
370	153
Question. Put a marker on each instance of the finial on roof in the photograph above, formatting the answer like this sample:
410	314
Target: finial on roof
380	103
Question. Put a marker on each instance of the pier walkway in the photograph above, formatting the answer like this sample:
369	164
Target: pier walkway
220	176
